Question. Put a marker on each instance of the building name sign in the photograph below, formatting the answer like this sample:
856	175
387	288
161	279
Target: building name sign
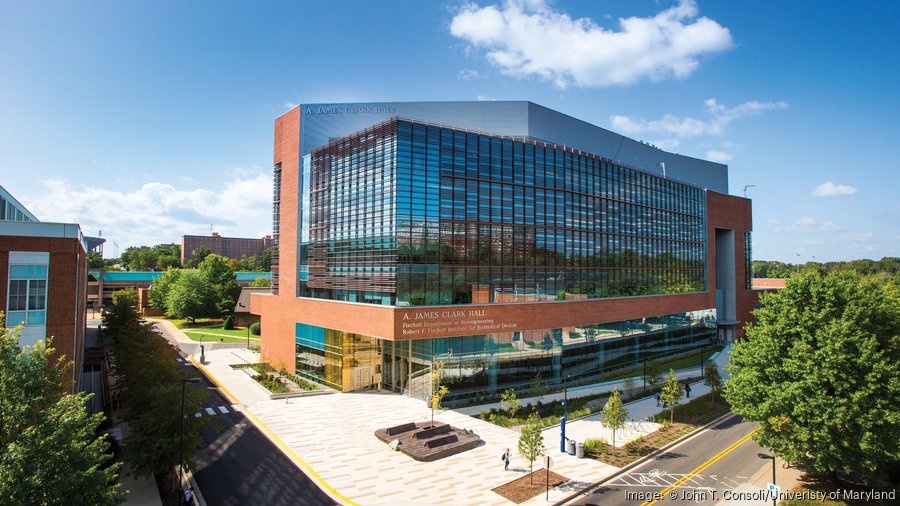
418	324
350	109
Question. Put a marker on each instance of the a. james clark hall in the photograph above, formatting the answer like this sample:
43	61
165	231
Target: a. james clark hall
503	239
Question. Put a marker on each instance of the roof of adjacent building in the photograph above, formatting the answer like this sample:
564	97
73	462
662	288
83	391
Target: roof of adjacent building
149	276
243	302
323	122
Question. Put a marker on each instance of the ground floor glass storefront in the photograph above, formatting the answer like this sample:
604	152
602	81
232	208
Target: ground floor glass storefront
489	363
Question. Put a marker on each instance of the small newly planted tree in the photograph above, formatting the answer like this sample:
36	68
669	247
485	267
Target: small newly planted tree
438	391
712	378
671	393
531	443
509	402
614	414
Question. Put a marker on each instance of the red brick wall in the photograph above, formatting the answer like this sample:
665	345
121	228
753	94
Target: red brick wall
66	293
278	314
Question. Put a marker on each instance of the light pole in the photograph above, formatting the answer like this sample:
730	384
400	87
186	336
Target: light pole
184	382
562	422
772	457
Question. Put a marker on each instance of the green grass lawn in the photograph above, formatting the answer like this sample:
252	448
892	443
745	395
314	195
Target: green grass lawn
217	333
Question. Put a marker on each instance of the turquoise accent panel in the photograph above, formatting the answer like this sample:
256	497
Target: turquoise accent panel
14	318
36	318
251	276
27	272
310	335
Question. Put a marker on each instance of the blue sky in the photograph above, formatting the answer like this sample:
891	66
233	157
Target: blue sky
149	120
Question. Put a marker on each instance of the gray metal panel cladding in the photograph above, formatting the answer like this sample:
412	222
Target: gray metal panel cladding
559	128
324	122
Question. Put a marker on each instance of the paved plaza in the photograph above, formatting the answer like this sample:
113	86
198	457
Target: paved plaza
331	437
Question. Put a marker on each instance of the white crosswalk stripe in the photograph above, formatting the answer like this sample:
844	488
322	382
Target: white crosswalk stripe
198	415
223	409
180	359
210	411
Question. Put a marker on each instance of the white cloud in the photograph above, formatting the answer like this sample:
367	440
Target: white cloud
719	116
290	105
158	212
718	156
829	189
806	225
485	98
528	38
467	75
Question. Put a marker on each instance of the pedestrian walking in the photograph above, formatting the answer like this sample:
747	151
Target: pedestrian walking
189	496
505	458
687	389
657	399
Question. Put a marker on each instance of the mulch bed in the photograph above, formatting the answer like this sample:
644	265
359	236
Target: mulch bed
530	485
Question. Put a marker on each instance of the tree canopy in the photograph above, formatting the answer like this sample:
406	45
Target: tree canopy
151	382
261	282
220	276
191	296
147	258
531	442
671	393
614	414
50	452
820	373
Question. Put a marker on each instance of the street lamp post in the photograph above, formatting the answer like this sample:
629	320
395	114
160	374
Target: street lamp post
184	382
772	458
562	422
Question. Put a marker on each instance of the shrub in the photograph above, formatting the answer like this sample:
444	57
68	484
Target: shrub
595	445
254	329
229	323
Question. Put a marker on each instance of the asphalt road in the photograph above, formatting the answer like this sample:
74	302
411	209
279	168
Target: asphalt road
717	465
239	465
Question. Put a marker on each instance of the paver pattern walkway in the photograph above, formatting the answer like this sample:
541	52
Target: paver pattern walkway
334	436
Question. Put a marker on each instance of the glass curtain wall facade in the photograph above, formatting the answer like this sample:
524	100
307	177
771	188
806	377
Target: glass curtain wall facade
407	213
482	365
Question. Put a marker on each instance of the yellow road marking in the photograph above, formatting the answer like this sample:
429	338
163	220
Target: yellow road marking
699	469
275	439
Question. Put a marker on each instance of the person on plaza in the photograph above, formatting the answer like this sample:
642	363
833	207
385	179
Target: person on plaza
506	460
657	399
189	496
687	389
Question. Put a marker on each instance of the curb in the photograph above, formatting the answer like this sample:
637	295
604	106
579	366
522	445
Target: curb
641	460
307	470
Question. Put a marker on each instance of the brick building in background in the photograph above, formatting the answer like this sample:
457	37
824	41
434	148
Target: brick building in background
503	240
230	247
43	272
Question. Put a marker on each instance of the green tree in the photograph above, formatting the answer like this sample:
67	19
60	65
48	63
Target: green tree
438	390
261	282
671	393
712	378
531	443
199	255
509	402
229	323
614	414
191	297
151	382
820	373
159	290
95	261
220	276
50	452
138	258
255	328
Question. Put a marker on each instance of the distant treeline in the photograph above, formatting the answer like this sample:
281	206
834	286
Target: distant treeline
773	269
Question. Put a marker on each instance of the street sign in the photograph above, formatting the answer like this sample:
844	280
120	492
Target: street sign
775	489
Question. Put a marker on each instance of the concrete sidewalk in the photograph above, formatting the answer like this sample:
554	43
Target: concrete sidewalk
331	439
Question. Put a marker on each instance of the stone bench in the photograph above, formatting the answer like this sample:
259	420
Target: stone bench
399	429
441	441
434	431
